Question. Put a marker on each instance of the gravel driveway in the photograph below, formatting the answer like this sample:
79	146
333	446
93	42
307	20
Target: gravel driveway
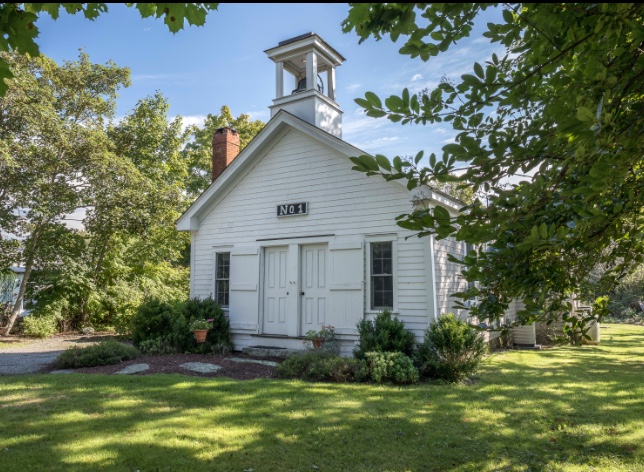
33	356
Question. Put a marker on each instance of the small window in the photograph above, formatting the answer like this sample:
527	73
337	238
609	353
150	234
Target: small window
222	279
382	278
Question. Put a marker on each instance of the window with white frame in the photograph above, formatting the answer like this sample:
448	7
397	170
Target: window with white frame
222	279
381	275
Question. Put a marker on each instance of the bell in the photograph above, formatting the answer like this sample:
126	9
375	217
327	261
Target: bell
301	85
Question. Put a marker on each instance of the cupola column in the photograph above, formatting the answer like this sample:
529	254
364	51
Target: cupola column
311	70
279	79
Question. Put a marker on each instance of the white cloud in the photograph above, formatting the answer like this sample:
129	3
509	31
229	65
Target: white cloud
189	120
258	115
353	87
377	144
416	77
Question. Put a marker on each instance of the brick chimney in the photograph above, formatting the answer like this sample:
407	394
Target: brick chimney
225	147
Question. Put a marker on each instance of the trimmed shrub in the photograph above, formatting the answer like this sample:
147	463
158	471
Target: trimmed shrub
393	367
219	335
153	319
383	334
451	350
105	353
322	366
39	326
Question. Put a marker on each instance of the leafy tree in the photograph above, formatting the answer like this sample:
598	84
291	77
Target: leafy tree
198	152
129	244
563	103
18	30
52	123
66	155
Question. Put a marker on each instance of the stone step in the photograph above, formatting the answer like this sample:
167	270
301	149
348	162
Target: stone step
268	351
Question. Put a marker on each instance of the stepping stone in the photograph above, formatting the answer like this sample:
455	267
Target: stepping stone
254	361
201	367
62	371
133	369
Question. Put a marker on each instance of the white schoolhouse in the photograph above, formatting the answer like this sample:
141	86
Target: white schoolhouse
288	238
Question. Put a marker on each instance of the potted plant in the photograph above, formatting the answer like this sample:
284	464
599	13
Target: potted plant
200	328
317	339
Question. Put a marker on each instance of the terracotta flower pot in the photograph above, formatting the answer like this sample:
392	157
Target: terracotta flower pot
200	335
317	343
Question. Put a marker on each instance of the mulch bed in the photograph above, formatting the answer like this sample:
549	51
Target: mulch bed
169	364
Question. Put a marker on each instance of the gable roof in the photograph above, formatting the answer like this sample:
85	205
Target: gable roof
279	125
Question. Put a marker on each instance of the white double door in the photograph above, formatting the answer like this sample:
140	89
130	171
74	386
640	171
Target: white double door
295	289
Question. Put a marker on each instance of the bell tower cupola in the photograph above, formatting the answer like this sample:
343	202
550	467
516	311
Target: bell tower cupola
312	62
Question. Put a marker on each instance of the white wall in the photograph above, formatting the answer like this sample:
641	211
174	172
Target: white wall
448	275
341	202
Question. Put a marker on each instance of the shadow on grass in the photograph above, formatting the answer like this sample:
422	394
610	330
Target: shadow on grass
553	410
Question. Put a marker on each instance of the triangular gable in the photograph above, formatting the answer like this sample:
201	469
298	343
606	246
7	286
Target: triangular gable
277	127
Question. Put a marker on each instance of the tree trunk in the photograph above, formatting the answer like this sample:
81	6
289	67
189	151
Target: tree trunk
29	265
21	295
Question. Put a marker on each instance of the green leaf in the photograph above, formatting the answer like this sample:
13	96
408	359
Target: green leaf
5	74
373	99
362	102
585	114
383	162
368	162
478	70
441	214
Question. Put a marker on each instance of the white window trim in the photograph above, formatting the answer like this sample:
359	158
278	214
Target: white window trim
213	294
381	238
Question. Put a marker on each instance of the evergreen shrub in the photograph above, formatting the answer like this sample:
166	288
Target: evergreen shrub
451	350
384	334
393	367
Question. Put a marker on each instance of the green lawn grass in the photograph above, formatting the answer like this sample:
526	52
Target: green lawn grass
568	409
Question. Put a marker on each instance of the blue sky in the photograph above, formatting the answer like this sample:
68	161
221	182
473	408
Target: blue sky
223	63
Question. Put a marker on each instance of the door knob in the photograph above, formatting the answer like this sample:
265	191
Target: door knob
302	293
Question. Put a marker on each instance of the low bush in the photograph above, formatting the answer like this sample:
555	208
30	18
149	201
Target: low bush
383	334
393	367
451	350
322	366
157	346
105	353
39	326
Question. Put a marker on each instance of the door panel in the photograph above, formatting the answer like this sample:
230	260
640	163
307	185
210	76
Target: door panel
275	290
314	287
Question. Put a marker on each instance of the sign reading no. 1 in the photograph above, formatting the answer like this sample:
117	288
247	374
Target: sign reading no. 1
292	209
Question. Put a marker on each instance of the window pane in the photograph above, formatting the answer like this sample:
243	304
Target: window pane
382	281
222	292
223	265
222	276
387	266
376	265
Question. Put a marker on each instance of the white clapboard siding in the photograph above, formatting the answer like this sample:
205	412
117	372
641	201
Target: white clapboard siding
448	274
341	202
